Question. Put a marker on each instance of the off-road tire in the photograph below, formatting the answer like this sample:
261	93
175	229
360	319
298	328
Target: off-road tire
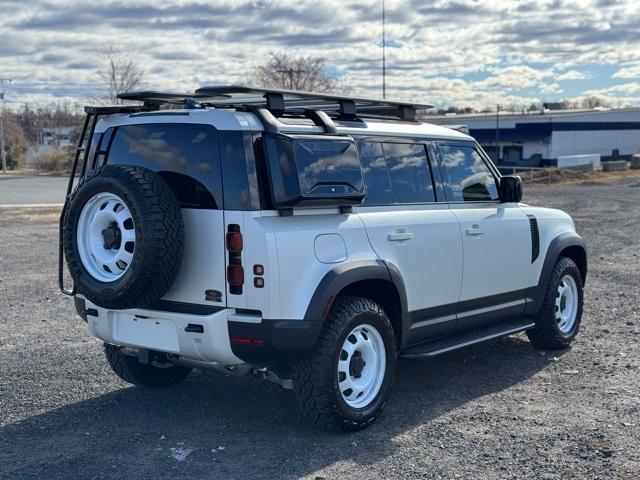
316	377
129	369
159	240
546	334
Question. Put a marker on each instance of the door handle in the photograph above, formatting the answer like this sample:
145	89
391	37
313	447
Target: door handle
474	230
399	236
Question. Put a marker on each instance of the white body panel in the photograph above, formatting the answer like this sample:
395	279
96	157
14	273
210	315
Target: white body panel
203	263
431	261
165	332
497	248
300	271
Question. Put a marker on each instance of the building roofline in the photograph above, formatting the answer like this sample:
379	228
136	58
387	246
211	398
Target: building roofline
461	117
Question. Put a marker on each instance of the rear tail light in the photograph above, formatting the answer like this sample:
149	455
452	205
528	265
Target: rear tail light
235	272
234	242
235	275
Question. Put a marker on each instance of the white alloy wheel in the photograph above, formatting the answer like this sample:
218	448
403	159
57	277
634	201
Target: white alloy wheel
106	237
566	308
361	366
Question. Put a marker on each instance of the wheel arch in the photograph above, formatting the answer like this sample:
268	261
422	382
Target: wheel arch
578	254
568	244
375	280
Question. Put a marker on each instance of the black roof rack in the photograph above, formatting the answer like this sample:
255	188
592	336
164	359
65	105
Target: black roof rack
280	101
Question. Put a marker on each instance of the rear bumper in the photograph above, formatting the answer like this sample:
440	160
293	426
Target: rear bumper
202	338
273	342
225	337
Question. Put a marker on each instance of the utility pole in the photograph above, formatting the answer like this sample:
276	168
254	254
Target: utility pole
384	57
497	134
3	152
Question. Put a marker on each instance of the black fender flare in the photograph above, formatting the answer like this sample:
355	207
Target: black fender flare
345	274
535	294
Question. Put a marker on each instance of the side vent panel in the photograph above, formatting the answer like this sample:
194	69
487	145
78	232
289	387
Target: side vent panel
535	238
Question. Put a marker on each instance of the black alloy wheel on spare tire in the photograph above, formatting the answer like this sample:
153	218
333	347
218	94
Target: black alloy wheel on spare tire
123	237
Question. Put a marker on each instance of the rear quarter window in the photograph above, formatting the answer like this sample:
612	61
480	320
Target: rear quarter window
186	155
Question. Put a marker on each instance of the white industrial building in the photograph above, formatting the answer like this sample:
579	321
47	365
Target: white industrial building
538	138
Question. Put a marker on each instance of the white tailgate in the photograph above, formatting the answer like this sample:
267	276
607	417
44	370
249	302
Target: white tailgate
203	265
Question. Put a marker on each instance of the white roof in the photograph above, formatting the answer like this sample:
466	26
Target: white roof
227	119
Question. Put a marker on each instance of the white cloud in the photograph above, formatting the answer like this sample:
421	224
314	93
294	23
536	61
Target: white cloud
550	88
628	72
512	49
573	75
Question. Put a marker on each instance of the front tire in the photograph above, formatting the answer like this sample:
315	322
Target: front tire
154	374
558	322
344	382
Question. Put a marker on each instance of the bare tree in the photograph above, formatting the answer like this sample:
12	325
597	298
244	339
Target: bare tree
594	101
296	73
121	73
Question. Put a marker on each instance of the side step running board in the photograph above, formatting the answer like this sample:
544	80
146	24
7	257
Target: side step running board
464	339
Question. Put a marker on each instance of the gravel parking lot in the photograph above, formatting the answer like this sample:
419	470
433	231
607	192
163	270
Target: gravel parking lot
497	410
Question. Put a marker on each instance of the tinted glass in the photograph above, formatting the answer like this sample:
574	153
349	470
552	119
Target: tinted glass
237	195
470	179
285	182
327	166
409	172
186	154
376	176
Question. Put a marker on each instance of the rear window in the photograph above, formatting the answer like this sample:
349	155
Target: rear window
396	173
186	155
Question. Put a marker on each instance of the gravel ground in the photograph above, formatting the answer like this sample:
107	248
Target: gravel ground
497	410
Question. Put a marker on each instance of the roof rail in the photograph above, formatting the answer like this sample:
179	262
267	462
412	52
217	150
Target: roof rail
281	102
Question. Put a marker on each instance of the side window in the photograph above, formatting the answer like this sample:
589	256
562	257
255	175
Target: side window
409	172
237	193
470	179
185	155
395	173
376	175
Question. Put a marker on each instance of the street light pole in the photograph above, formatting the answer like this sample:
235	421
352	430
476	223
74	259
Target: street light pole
3	152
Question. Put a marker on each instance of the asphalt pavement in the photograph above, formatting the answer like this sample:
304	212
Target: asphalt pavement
32	189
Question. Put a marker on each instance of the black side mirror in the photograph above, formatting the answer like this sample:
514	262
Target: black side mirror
510	188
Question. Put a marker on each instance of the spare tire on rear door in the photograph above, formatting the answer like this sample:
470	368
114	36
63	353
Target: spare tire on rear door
124	237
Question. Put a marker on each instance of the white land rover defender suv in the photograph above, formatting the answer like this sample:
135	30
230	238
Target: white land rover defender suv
303	238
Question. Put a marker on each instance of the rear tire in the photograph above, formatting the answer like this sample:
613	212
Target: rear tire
153	375
356	348
558	322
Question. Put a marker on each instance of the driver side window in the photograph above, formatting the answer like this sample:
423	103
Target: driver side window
469	177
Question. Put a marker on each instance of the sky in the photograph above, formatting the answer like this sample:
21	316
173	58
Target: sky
442	52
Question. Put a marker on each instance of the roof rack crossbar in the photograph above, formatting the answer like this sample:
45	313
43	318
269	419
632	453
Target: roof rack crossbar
280	101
